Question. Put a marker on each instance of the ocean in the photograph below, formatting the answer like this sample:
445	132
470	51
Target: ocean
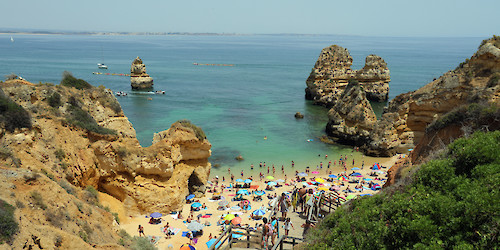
237	106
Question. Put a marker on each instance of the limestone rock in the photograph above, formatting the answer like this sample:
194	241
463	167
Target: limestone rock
299	115
352	118
138	77
405	119
332	72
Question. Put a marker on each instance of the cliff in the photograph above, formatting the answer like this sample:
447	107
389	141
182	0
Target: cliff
405	119
332	73
80	139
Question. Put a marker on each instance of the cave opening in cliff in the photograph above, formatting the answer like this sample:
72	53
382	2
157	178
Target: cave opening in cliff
194	183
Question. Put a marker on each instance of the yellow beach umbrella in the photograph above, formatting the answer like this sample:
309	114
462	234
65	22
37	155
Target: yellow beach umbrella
229	217
270	177
323	188
320	180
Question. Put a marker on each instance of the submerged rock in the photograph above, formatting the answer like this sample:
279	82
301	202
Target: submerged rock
299	115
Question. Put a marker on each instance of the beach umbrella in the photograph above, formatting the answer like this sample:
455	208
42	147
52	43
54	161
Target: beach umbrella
355	168
229	217
223	202
236	208
242	191
247	181
270	177
332	176
272	183
187	247
280	180
351	196
195	226
376	166
365	195
336	188
355	173
209	182
320	180
156	215
189	197
236	220
259	212
323	188
315	172
302	174
367	179
259	193
342	178
196	204
239	180
211	242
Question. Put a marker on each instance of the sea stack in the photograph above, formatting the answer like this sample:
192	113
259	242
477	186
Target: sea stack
138	77
332	72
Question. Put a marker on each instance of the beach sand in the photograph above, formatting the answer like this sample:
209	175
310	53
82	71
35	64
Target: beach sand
130	224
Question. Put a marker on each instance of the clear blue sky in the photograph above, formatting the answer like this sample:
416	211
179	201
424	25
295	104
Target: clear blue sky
354	17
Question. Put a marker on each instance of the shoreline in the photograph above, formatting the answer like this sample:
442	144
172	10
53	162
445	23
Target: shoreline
130	223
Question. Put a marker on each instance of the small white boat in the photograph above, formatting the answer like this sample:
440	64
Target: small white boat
102	66
11	39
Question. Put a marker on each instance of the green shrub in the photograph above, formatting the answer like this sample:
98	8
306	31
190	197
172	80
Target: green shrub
453	203
38	200
60	154
83	119
8	223
13	116
92	195
142	243
69	80
115	216
54	100
67	187
197	130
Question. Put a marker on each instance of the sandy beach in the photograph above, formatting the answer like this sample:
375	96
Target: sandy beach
210	215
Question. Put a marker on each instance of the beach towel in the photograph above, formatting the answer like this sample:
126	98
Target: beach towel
205	216
175	216
173	230
154	239
185	233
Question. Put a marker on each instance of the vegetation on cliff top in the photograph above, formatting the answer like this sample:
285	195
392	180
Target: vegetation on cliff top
69	80
474	114
8	224
12	115
83	119
453	202
197	130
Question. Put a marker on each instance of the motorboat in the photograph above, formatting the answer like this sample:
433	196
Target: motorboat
102	66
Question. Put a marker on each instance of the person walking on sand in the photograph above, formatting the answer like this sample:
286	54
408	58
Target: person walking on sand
141	231
283	205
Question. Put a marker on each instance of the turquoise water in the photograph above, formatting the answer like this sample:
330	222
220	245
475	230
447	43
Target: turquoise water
236	106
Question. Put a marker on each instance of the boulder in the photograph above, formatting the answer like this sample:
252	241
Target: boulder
299	115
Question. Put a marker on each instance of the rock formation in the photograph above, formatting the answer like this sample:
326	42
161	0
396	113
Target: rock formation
404	121
332	72
138	77
65	156
352	118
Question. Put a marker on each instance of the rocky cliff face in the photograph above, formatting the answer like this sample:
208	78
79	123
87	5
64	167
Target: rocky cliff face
352	118
138	77
406	118
156	178
332	72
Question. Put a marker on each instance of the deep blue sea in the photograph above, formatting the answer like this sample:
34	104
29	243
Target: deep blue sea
236	106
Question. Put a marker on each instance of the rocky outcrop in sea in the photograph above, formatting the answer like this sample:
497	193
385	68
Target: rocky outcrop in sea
408	116
138	77
332	72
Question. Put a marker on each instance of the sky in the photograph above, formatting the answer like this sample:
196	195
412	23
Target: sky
464	18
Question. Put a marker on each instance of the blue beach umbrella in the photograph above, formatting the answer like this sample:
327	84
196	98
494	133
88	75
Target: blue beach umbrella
239	180
212	241
355	168
242	191
302	174
368	179
259	193
196	204
365	195
189	197
272	183
280	180
247	181
332	176
155	215
259	212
